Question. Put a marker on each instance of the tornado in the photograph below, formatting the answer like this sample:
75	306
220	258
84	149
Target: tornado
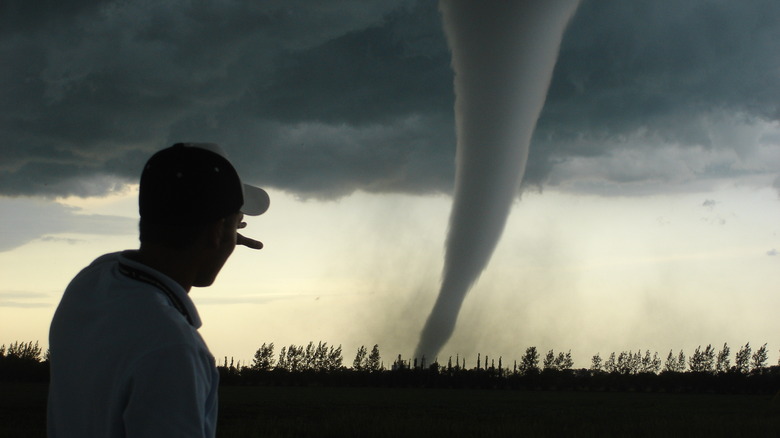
503	56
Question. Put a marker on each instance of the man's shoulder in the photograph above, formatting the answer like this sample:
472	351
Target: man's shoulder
101	300
107	258
99	275
101	287
100	263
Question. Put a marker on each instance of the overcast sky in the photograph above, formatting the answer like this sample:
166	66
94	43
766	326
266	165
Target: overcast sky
321	99
327	101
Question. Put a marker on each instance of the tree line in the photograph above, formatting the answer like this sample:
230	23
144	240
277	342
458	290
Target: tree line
701	361
314	358
704	369
324	358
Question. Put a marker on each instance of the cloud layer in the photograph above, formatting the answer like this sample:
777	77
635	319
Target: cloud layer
25	220
323	100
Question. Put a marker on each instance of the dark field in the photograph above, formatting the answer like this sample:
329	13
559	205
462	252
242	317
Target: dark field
254	411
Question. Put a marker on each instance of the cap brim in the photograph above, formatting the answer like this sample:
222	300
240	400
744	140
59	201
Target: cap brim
256	201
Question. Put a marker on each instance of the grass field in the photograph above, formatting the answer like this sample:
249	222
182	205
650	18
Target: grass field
251	411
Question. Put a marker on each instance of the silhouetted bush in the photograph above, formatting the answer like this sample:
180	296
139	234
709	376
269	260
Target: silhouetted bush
23	362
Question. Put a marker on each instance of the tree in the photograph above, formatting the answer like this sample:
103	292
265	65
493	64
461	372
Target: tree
596	363
759	359
26	351
709	359
626	363
649	364
564	361
671	362
307	362
656	363
295	358
722	363
610	365
629	362
742	359
360	362
400	364
530	361
264	357
549	361
282	364
674	364
320	362
374	359
681	362
635	361
646	363
702	361
335	359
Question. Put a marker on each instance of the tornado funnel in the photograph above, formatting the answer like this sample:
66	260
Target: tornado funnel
503	55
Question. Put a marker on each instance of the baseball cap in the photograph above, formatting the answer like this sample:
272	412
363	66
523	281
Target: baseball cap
194	183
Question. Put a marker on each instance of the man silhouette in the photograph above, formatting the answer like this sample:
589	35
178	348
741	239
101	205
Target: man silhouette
126	357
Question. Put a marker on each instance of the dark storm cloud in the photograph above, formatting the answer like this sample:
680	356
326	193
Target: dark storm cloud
658	73
324	98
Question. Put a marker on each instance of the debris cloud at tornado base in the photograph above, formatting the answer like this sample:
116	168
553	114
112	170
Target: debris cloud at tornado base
503	56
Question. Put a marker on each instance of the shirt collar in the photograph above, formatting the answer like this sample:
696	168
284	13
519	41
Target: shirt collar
175	292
